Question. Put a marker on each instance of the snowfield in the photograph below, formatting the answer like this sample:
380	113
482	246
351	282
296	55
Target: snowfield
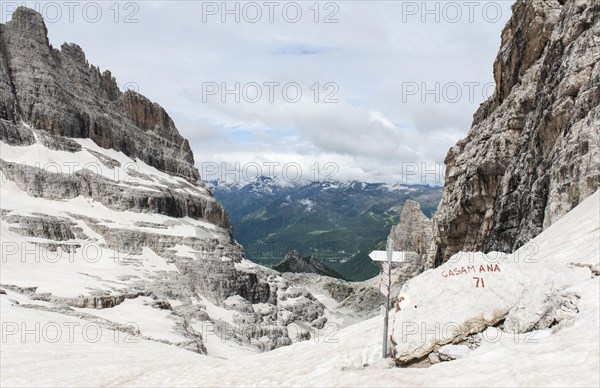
84	254
42	348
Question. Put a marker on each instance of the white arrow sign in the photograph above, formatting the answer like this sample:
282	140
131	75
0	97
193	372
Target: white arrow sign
383	255
386	257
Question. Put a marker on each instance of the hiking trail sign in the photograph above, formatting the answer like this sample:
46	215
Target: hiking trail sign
386	258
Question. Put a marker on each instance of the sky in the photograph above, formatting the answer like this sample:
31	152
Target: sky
376	91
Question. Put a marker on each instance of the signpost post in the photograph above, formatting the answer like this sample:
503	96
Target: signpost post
386	258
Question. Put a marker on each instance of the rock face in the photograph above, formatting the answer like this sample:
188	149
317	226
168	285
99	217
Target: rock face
533	152
347	302
101	207
413	235
58	91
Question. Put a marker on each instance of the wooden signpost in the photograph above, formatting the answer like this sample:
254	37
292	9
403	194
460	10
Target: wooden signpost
386	258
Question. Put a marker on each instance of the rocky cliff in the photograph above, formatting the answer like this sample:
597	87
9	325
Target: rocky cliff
101	208
533	151
60	92
412	235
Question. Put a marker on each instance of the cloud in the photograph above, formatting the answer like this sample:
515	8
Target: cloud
366	62
377	117
300	50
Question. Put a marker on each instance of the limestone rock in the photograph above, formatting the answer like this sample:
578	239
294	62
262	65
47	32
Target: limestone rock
60	92
533	151
338	290
350	301
468	294
538	310
413	235
451	352
434	358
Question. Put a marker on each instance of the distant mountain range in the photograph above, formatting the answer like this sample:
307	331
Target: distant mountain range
338	223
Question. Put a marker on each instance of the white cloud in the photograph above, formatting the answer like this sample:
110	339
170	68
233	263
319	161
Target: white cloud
377	117
372	54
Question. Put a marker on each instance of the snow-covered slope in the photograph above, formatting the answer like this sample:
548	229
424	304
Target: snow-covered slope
89	232
566	355
103	216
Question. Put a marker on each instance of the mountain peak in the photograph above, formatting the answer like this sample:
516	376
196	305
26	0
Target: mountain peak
295	262
30	22
88	105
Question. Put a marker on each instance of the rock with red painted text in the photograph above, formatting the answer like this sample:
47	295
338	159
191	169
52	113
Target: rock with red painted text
471	292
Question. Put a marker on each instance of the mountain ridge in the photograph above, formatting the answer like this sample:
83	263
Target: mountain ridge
336	222
295	263
80	101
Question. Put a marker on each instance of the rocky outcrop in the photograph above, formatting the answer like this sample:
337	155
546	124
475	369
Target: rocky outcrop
481	297
347	302
365	300
533	152
173	200
338	289
43	226
60	92
412	235
295	262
